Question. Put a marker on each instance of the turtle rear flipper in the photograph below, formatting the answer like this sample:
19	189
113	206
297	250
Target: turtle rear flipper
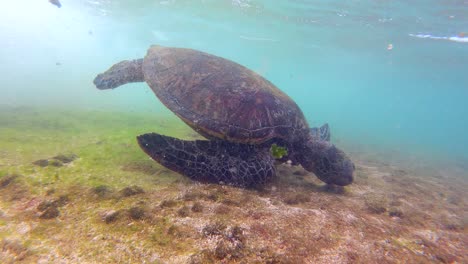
211	161
120	74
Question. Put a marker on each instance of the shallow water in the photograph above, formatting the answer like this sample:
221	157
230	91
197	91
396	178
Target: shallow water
329	56
388	76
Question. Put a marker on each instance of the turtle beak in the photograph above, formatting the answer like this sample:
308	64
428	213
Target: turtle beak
345	175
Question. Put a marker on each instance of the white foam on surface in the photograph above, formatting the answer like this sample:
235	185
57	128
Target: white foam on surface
454	38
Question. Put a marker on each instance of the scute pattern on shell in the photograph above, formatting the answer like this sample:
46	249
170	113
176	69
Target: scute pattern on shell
220	98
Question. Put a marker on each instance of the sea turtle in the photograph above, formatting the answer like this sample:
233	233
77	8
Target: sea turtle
240	113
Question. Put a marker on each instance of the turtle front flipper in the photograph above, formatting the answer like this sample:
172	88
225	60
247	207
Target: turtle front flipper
121	73
211	161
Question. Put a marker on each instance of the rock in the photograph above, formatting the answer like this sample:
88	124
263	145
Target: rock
395	211
66	158
49	208
49	213
110	216
168	203
237	233
55	163
101	191
184	211
44	205
61	201
214	229
136	213
6	180
197	207
132	190
41	163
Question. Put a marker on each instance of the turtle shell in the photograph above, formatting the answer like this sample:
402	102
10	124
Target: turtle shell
220	98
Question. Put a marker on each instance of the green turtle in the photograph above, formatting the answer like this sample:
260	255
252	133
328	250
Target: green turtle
241	114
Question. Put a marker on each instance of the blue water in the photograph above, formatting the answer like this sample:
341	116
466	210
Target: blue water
332	57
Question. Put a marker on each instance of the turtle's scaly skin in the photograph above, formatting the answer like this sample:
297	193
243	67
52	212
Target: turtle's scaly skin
241	113
211	160
120	73
220	98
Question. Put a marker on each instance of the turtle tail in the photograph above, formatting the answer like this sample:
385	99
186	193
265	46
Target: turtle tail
213	161
119	74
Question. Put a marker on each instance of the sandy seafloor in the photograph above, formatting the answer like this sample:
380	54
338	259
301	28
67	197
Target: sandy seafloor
76	188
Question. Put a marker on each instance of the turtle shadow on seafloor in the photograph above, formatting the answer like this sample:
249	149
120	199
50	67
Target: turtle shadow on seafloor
294	177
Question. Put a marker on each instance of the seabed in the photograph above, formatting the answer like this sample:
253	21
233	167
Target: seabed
76	188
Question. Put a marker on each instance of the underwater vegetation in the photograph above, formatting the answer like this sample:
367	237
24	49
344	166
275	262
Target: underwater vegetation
278	152
107	200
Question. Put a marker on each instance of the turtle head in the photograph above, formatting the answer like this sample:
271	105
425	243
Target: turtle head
327	162
120	74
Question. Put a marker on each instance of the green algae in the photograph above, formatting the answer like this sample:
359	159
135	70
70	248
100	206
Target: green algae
102	141
278	152
89	150
172	219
